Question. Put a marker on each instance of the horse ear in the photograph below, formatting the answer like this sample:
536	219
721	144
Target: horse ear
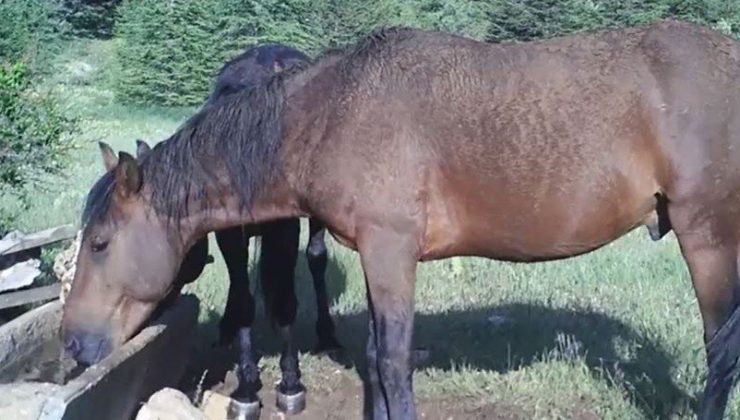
110	160
128	175
142	148
278	66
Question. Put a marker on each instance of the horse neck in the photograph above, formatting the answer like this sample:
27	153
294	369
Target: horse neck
283	195
222	210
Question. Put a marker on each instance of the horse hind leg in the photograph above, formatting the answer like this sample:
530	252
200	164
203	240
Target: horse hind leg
711	253
316	255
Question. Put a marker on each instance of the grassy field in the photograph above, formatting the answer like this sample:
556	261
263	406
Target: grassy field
613	334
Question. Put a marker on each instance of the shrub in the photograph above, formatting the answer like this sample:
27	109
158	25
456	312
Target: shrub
465	17
297	23
532	19
343	21
168	51
27	27
34	132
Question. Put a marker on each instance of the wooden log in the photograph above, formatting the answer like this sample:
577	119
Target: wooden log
37	239
22	297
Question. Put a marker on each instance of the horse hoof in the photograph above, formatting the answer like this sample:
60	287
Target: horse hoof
240	410
291	404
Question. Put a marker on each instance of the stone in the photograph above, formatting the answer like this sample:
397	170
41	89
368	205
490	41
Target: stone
24	400
19	275
169	404
65	264
215	406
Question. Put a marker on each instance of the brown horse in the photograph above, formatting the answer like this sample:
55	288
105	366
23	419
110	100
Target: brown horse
419	145
279	253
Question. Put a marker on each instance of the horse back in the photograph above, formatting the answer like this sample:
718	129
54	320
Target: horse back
527	151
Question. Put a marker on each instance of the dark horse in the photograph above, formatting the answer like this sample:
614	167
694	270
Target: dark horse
415	146
279	238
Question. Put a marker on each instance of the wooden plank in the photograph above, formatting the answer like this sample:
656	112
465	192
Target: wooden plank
19	275
22	297
35	240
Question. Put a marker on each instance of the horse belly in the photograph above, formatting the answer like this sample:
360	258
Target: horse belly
507	226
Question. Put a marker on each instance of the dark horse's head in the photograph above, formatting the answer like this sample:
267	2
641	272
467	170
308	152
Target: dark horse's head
254	67
133	247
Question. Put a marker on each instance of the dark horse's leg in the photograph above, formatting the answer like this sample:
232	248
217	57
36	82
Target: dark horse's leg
710	248
191	268
316	255
239	311
277	271
389	262
238	318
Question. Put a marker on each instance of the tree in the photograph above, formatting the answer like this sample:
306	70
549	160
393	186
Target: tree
90	18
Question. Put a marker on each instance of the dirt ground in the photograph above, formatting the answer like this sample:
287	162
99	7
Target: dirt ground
335	392
343	400
346	402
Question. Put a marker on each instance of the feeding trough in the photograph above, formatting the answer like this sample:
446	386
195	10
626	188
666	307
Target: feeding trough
31	370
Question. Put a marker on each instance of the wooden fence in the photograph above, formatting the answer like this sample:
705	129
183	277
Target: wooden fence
24	246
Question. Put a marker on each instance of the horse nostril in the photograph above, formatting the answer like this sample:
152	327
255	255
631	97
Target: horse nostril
72	346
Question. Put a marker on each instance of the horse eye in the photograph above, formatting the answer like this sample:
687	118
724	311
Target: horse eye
98	244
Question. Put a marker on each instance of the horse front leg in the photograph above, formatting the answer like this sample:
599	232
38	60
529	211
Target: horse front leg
277	268
237	320
389	261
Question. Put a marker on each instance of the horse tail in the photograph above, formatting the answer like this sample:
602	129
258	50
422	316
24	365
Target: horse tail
723	351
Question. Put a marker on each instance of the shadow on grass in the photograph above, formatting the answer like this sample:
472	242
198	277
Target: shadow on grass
508	337
497	338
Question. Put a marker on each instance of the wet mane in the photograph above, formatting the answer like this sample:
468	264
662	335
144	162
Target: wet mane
237	136
240	133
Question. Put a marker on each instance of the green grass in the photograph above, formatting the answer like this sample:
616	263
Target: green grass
614	334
